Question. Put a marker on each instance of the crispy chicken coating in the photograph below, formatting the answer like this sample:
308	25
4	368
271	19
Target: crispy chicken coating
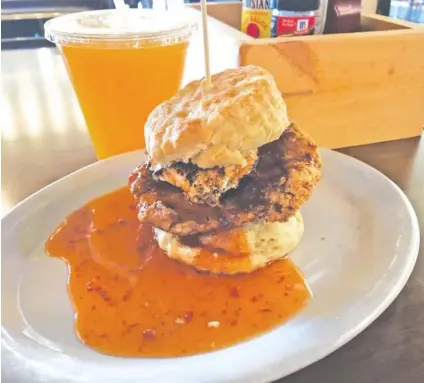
282	181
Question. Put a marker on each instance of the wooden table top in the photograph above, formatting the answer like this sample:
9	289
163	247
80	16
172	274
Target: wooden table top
44	138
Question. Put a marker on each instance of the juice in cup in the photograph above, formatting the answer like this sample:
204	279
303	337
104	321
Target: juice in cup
122	64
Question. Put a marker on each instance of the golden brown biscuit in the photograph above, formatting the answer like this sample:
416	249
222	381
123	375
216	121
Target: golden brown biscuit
236	251
243	110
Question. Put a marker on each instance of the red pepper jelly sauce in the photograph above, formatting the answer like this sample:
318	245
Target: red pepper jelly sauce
131	300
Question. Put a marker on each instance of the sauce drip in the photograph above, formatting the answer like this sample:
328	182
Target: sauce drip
130	299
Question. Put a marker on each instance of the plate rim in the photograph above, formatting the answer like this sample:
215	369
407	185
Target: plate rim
276	373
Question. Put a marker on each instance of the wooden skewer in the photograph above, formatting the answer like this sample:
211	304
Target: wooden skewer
206	43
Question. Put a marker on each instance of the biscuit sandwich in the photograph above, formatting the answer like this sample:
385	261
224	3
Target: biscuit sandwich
226	173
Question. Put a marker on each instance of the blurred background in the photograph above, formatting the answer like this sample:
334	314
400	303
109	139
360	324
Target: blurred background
408	10
22	20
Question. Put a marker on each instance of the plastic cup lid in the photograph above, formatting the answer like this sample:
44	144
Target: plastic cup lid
112	26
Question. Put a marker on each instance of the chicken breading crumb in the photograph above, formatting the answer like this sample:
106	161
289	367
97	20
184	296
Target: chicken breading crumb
206	185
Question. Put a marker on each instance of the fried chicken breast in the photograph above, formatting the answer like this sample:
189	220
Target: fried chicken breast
206	185
285	174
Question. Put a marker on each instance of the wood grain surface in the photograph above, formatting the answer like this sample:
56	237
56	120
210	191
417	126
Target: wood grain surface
340	89
44	138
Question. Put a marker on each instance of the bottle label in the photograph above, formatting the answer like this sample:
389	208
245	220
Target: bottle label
295	25
256	22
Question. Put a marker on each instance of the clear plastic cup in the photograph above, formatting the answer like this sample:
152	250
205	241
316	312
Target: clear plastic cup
122	64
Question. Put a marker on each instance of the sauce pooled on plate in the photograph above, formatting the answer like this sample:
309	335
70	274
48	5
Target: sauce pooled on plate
130	299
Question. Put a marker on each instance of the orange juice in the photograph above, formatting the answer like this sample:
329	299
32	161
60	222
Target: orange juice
118	88
122	65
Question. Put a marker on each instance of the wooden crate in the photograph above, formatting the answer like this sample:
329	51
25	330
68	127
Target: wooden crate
344	89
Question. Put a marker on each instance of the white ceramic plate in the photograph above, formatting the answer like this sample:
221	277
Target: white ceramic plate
360	246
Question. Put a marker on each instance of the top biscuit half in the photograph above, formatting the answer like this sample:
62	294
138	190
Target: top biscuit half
218	125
